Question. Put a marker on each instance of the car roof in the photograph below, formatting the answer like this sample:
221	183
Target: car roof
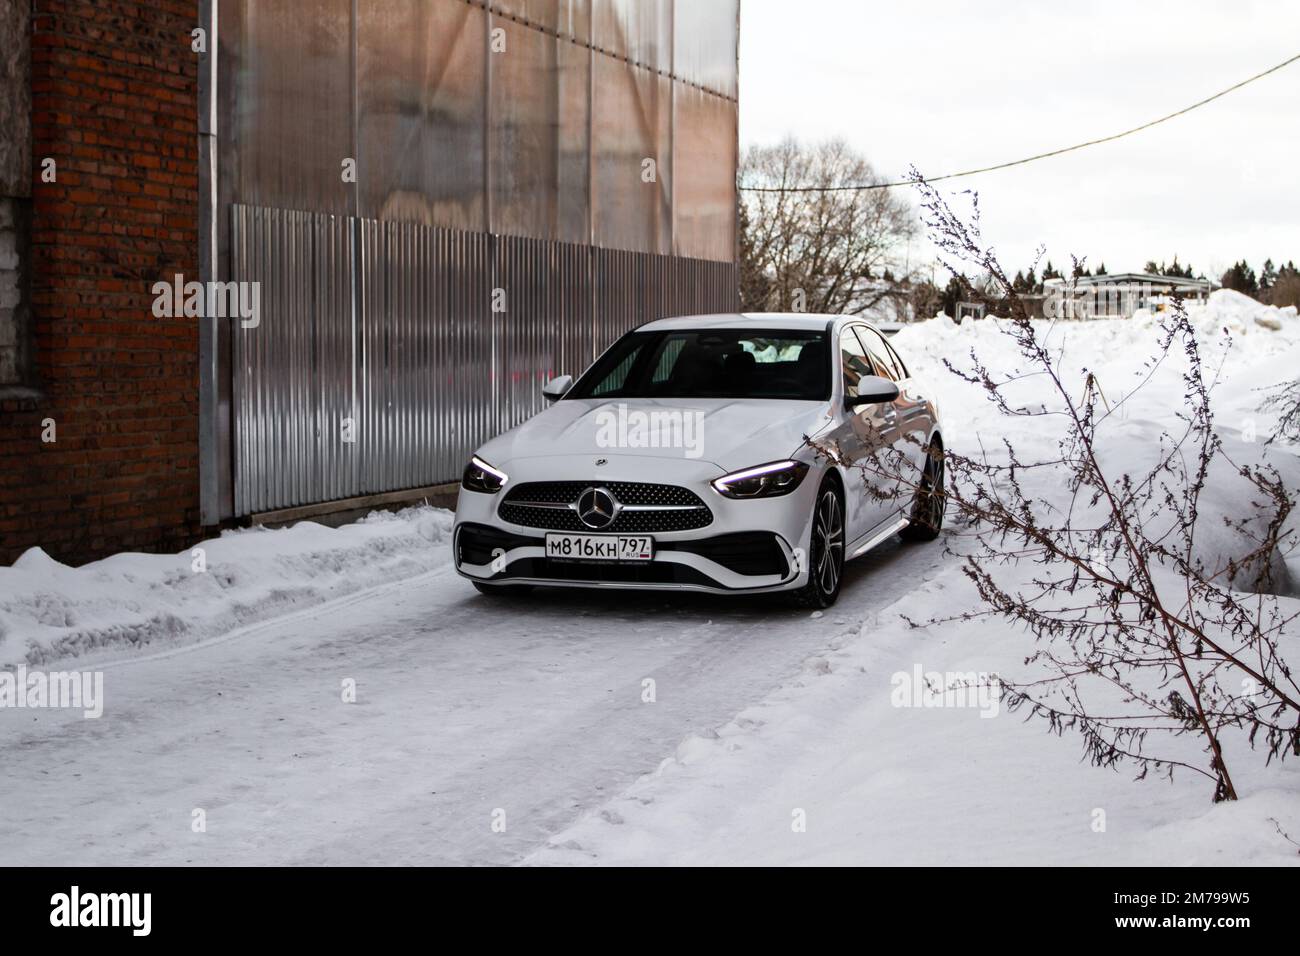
801	321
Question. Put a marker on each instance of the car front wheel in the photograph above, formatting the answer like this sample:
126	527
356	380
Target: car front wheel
825	550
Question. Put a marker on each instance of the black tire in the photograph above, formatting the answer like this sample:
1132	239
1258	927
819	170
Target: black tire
502	590
825	548
928	504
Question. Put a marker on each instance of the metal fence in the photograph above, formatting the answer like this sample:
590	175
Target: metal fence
385	352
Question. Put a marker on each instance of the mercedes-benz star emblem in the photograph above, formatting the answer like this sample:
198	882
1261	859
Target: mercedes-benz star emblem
597	508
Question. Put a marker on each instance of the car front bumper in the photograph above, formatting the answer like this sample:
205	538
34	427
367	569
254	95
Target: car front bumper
746	546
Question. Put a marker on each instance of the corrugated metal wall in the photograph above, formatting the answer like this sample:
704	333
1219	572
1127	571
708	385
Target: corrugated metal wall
378	362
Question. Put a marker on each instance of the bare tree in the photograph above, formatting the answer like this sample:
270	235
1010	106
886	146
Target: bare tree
819	249
755	285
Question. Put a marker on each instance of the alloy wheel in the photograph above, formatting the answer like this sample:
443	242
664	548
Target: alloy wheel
829	529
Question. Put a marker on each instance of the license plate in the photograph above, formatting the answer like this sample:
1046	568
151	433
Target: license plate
600	547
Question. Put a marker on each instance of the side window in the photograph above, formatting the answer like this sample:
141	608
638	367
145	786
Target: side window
880	354
854	361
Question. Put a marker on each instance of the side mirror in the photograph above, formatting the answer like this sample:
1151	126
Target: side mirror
872	390
554	390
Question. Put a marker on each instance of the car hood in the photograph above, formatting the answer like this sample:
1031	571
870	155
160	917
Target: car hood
730	433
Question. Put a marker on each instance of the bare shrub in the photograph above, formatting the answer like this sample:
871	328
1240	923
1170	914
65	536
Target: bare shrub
1136	640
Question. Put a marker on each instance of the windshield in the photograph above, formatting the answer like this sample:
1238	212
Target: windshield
709	363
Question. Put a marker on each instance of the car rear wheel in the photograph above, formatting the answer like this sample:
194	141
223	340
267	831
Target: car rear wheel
928	505
825	550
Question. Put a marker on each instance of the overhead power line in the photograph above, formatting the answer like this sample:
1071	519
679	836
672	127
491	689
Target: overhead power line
1029	159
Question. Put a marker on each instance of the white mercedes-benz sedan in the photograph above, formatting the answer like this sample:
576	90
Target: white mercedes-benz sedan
724	453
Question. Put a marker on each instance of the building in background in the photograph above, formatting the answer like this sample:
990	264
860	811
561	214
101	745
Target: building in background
439	204
1118	295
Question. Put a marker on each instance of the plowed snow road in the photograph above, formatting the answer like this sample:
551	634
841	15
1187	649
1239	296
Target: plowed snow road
465	705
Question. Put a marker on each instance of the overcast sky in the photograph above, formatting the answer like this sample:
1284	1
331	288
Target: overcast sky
951	85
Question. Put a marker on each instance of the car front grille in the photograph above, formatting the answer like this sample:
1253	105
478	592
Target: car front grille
647	508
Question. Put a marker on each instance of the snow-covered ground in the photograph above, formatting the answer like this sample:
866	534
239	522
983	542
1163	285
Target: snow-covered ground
579	728
147	602
829	771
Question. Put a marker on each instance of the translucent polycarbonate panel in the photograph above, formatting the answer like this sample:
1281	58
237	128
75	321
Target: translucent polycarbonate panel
640	30
569	18
572	174
420	96
524	136
538	137
574	19
290	99
704	44
631	157
704	175
441	142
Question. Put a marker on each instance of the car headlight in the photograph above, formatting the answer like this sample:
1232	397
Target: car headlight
763	481
480	476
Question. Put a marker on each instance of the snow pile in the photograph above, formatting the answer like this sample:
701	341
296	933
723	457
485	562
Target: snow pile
1240	314
835	767
1253	356
131	602
1243	360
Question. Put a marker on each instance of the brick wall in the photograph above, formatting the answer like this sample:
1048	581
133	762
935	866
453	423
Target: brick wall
114	103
